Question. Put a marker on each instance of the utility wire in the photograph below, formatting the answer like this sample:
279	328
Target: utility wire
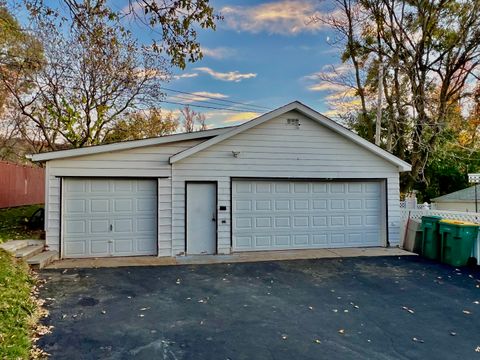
216	99
192	101
200	106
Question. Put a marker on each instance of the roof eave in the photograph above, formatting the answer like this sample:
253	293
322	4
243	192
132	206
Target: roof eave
126	145
309	112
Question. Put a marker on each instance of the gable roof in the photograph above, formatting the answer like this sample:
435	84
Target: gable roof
310	113
464	195
131	144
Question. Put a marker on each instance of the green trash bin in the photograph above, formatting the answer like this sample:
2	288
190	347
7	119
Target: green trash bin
430	237
457	240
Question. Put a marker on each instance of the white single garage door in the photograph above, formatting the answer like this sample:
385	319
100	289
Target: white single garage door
109	217
276	215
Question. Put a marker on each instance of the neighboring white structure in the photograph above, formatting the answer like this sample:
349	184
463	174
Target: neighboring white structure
461	200
289	179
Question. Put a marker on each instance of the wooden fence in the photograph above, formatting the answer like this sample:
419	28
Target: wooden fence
21	185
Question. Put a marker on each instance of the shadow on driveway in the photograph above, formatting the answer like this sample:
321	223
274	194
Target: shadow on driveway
357	308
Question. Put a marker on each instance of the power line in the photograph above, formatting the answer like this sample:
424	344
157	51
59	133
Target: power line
216	99
200	106
192	101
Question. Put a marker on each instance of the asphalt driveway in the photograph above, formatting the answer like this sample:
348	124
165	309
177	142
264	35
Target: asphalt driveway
356	308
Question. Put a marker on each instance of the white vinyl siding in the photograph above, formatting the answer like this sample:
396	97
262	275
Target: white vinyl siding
149	162
277	150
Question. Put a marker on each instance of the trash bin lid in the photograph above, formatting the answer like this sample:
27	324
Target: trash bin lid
432	217
458	222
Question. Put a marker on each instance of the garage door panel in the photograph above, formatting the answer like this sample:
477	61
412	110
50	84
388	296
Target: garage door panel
76	247
75	205
145	205
75	227
100	226
123	205
109	217
282	240
98	246
146	225
305	214
100	205
263	205
75	187
243	242
99	186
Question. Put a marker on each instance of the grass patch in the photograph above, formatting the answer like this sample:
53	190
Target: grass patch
18	308
13	223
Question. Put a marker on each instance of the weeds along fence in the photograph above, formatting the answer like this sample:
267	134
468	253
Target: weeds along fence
21	185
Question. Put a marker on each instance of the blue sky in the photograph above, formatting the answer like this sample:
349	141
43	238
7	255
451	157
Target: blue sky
262	53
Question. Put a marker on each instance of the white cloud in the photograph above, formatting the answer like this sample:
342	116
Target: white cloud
201	96
234	76
185	76
218	53
330	72
286	17
241	116
326	86
210	94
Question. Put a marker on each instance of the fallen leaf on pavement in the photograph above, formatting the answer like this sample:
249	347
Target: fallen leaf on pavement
341	331
317	341
409	310
466	312
418	340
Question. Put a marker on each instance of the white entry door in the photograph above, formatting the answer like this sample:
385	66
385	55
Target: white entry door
276	215
109	217
201	218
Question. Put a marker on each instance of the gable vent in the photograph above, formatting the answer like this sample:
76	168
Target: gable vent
294	122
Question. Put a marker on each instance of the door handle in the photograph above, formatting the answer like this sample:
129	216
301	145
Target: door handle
111	227
213	217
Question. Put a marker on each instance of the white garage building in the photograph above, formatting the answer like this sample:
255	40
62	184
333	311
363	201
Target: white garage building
289	179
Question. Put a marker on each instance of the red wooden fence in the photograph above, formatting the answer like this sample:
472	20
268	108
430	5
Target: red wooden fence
21	185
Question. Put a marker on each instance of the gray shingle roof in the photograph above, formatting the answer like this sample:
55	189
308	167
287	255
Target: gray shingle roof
464	195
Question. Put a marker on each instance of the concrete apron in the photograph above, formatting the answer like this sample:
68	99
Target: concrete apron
254	256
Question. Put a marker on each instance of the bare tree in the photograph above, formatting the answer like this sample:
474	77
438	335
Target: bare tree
190	118
94	74
201	120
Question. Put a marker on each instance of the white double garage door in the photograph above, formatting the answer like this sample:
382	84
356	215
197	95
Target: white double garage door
276	215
